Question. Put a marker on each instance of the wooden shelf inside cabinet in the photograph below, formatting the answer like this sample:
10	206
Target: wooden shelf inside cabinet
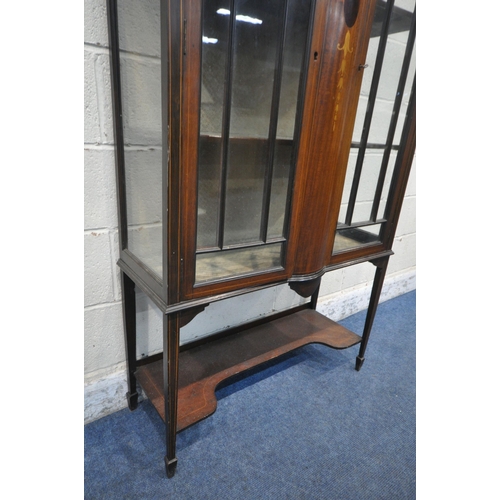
203	367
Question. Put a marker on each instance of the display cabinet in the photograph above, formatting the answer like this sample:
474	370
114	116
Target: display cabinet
257	143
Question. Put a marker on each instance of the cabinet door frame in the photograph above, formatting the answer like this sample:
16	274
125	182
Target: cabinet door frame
404	157
191	74
309	219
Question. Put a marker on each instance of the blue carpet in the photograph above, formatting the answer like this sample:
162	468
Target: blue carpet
308	427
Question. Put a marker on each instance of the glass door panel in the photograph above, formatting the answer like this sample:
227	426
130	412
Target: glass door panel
387	84
140	71
252	65
214	56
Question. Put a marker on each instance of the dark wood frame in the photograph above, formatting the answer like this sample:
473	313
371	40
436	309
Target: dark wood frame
320	169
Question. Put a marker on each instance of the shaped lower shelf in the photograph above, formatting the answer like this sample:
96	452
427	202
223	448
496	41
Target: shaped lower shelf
203	367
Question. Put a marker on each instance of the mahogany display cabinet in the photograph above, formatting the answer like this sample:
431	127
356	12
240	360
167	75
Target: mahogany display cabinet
258	143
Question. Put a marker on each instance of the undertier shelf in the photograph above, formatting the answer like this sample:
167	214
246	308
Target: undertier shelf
204	367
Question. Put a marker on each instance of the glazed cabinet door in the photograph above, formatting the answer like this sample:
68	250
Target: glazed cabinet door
266	88
246	63
382	145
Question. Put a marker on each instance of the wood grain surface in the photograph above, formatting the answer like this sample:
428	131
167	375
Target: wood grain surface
202	368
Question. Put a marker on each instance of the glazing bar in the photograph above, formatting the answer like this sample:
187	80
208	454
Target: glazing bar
226	126
250	244
365	223
373	145
273	126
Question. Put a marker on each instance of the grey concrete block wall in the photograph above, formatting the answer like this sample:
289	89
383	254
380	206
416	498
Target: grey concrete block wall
99	188
104	346
95	23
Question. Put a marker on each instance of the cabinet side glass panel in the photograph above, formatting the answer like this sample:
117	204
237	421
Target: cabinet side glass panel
382	107
252	63
140	73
